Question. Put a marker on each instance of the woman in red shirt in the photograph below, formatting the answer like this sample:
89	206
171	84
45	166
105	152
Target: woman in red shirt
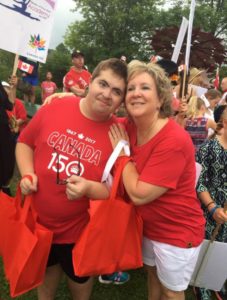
161	182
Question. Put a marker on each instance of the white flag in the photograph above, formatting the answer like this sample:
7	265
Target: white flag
189	36
180	39
25	27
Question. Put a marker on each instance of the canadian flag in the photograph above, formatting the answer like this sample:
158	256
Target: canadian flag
25	67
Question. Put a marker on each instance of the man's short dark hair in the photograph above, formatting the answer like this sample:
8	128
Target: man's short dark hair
117	66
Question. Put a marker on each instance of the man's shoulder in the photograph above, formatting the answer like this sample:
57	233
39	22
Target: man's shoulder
70	100
86	72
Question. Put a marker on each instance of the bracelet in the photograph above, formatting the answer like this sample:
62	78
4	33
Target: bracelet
209	204
212	211
29	177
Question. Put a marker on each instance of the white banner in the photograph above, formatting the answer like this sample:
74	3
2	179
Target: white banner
180	39
25	27
189	36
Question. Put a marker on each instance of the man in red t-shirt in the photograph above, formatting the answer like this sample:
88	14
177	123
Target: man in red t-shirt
77	79
64	139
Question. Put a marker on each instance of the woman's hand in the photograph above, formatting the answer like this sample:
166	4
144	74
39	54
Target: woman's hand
49	99
220	215
117	133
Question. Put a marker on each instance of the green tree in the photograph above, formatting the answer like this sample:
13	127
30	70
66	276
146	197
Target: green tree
6	64
58	63
113	28
210	15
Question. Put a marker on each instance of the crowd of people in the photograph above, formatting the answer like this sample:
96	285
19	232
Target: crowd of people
168	131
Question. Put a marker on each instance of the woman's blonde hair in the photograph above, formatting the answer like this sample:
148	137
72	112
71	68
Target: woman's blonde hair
162	83
194	105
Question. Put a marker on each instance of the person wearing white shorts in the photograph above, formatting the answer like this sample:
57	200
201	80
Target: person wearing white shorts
172	266
160	180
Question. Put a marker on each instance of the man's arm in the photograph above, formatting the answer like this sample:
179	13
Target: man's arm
13	88
24	157
78	187
78	91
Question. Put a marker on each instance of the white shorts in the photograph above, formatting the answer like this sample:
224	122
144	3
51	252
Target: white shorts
174	265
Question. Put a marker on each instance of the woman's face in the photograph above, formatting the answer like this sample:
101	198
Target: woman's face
142	97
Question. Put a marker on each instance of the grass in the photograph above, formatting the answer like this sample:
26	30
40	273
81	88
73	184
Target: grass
135	289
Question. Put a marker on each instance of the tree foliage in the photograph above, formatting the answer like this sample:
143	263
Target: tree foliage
58	63
6	64
206	50
112	28
210	15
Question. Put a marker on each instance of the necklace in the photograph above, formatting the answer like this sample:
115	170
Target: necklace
143	136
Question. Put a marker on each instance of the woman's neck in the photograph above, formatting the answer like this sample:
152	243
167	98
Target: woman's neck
223	139
147	129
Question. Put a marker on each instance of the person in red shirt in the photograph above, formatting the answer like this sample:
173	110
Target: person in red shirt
48	87
161	182
18	113
77	79
65	148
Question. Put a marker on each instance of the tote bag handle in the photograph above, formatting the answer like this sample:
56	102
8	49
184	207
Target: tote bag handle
117	176
122	144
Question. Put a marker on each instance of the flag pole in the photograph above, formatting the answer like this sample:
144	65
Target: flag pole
15	65
188	47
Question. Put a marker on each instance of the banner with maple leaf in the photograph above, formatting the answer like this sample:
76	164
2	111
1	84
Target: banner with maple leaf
26	27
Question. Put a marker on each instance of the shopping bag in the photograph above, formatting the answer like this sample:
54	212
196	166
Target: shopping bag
210	271
7	210
25	247
211	268
112	240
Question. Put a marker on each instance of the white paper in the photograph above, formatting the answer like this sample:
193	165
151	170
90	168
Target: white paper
198	90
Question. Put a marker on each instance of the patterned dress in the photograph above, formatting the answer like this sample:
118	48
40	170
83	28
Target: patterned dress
197	128
213	158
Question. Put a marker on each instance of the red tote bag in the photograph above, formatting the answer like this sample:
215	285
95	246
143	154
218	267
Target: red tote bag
112	240
7	210
25	245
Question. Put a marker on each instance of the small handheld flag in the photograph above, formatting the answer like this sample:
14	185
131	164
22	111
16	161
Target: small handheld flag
25	67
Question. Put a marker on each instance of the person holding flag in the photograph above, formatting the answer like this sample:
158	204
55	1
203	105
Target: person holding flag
29	71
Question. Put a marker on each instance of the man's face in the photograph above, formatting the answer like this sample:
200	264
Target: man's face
224	84
106	93
78	62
